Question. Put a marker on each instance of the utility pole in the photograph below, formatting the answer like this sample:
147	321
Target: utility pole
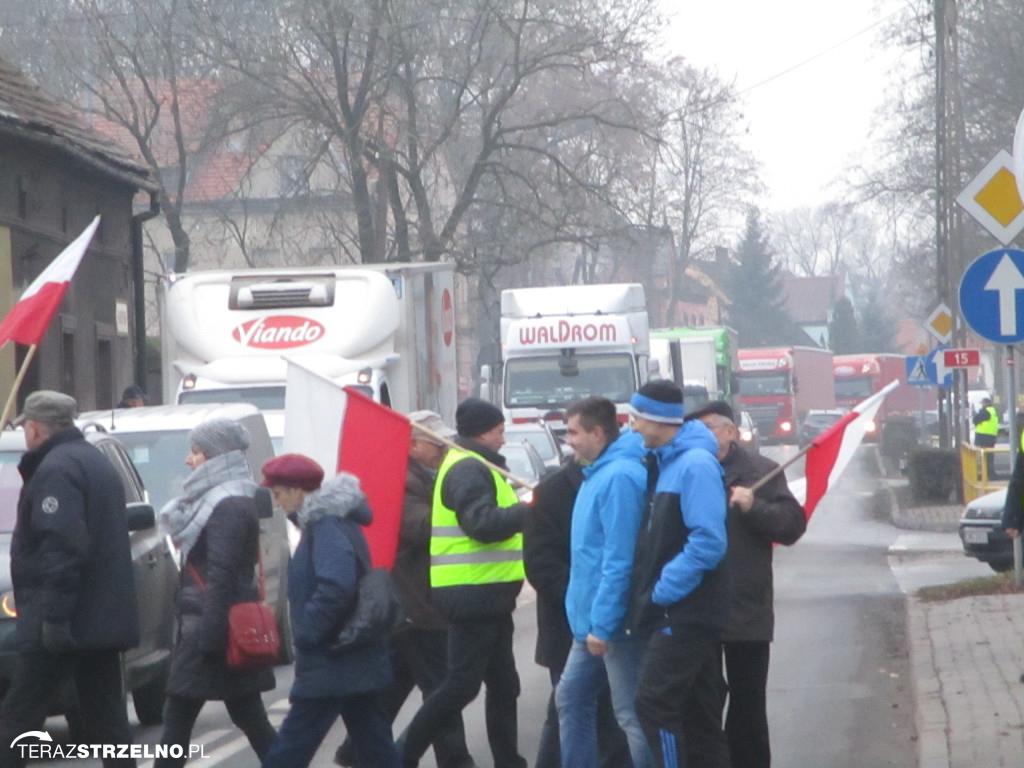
949	265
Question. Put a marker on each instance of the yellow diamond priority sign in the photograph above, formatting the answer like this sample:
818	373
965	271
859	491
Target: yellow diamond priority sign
993	200
940	324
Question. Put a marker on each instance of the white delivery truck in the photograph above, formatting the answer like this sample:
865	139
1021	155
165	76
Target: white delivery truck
388	329
561	344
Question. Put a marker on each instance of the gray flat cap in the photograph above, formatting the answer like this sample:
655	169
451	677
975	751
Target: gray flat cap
48	407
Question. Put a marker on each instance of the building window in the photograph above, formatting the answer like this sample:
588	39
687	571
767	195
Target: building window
293	179
104	374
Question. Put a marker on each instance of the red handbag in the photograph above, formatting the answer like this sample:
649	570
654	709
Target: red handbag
253	639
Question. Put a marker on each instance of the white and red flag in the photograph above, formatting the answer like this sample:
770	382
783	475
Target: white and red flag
830	452
28	319
345	431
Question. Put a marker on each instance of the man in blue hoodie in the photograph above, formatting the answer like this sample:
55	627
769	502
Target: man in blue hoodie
678	594
605	521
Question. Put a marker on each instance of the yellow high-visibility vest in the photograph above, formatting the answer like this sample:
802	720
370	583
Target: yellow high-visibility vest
991	425
457	559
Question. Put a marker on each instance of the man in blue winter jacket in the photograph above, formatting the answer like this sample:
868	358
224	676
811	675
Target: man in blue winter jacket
678	594
605	521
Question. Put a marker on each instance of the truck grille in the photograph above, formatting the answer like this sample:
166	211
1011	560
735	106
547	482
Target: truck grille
283	293
765	416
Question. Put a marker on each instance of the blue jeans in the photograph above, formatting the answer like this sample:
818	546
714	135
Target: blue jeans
309	720
584	678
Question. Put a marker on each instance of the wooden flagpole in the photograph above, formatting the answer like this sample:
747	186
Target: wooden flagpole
17	385
445	441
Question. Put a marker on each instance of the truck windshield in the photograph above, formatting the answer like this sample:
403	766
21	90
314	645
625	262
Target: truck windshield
854	387
539	382
764	383
264	398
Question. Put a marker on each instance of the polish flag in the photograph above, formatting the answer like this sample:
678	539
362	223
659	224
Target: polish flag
28	319
831	451
343	430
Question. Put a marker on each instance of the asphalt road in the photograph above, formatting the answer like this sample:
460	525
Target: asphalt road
839	692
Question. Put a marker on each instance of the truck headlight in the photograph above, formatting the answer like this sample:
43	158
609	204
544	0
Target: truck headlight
7	608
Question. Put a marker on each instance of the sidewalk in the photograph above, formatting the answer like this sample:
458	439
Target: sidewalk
966	659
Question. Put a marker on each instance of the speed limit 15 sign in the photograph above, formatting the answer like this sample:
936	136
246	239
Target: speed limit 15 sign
961	358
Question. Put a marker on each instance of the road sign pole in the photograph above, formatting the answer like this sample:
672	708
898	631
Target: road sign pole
1011	411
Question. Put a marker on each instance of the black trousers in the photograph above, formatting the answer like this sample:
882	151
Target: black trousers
419	660
38	677
680	698
746	719
479	653
247	712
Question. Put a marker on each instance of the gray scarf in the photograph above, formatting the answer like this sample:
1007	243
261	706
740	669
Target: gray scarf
185	516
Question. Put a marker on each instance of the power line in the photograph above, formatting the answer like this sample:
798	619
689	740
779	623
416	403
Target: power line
818	55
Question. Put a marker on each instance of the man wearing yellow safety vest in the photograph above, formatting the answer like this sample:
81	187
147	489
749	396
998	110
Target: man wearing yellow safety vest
986	425
476	572
986	428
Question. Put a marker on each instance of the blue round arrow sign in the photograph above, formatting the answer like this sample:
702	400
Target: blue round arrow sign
992	295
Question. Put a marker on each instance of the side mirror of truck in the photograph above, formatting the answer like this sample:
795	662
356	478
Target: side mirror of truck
796	385
485	383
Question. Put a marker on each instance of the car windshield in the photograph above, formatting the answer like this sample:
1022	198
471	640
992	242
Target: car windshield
519	463
10	488
160	459
265	398
536	437
822	419
548	382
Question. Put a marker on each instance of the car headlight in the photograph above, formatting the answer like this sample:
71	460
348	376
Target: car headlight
7	608
746	435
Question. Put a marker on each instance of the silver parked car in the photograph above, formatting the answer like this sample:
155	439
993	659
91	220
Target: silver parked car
156	579
982	534
538	434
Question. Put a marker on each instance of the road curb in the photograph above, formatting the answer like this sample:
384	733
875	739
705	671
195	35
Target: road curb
930	716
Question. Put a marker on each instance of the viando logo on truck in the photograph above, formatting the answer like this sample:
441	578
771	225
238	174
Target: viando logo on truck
278	332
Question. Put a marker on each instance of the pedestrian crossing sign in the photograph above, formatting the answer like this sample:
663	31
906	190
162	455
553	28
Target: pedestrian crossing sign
917	373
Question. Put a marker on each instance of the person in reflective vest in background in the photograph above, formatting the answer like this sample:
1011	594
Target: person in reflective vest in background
986	429
476	572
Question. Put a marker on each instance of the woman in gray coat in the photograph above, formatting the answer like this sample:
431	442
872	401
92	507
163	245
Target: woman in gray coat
215	524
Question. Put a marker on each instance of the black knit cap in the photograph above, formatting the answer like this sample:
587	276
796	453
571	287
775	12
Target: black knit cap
719	407
662	390
475	416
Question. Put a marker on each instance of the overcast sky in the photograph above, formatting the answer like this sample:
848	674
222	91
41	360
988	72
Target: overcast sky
806	120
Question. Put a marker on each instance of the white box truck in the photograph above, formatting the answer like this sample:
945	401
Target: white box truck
388	329
561	344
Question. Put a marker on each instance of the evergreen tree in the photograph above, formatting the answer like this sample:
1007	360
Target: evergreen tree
876	325
754	285
843	333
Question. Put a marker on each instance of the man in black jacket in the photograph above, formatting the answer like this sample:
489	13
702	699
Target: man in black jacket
71	566
756	521
476	573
